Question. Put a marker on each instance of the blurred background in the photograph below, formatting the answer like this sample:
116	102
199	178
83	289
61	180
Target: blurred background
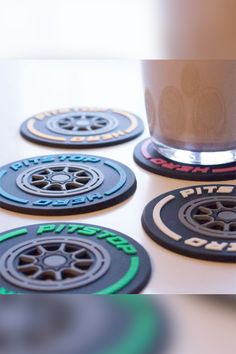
118	324
151	29
76	29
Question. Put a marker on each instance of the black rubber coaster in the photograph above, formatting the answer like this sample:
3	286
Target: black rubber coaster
82	324
71	258
146	156
82	127
198	221
64	184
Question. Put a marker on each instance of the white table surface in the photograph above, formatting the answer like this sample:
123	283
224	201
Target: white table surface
30	87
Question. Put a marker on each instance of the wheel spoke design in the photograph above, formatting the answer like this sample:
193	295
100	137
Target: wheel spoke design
60	179
215	225
69	178
83	123
219	205
217	215
205	210
27	259
28	270
52	264
203	218
36	274
35	265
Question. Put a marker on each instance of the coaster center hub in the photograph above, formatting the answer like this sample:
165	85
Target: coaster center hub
227	215
60	178
54	261
82	123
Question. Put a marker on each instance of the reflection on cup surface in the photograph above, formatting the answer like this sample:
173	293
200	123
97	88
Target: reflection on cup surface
191	105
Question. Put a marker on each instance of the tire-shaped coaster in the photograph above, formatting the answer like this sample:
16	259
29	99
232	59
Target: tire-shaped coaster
82	127
198	221
147	157
64	184
71	258
94	324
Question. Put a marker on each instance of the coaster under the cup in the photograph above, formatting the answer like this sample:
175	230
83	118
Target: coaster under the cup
146	156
